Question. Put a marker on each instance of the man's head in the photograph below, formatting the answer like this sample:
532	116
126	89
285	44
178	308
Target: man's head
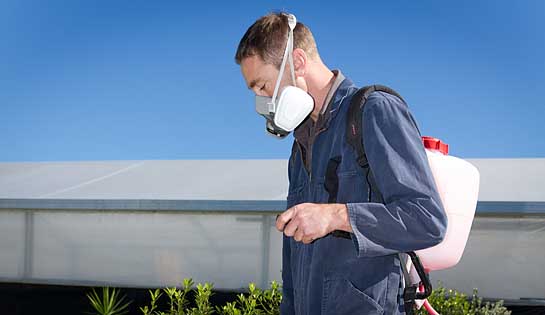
261	49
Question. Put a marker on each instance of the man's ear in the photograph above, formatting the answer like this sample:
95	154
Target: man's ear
299	62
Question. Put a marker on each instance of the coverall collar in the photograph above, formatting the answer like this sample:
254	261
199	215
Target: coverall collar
308	128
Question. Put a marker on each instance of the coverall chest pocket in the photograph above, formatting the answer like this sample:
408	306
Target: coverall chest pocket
352	187
345	181
341	297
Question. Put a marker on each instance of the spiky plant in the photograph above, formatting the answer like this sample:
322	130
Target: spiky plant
110	303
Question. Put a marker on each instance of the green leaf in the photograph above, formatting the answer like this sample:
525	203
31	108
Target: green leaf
109	304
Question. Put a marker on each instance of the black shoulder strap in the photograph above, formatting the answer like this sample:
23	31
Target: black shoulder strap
354	137
354	122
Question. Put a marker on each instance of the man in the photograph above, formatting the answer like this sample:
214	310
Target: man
390	206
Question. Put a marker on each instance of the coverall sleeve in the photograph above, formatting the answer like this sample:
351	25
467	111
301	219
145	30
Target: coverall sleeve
412	215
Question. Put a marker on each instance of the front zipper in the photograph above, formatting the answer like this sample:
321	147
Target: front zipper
311	148
303	158
309	160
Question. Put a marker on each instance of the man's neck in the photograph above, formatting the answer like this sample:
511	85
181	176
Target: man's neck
319	80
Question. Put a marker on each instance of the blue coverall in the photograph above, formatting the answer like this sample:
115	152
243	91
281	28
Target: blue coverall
363	275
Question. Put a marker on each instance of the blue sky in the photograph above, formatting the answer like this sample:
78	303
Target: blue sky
139	80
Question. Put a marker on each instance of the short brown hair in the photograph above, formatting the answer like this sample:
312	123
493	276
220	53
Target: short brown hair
268	37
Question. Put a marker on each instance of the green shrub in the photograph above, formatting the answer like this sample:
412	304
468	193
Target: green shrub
202	299
270	299
267	302
229	309
256	302
452	302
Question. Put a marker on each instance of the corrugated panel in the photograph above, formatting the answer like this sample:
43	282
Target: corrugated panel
512	180
185	179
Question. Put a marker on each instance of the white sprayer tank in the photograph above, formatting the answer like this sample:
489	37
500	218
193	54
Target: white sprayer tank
457	182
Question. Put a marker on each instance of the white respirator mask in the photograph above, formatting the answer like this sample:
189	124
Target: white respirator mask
287	111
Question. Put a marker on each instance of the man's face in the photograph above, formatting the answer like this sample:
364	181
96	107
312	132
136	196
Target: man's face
261	77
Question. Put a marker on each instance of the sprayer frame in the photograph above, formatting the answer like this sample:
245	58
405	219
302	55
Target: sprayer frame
411	294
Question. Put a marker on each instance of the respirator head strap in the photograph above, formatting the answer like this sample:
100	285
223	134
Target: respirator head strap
288	54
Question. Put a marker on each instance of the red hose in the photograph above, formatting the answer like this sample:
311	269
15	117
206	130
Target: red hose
427	304
429	308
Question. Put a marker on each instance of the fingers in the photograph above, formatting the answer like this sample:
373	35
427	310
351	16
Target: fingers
291	228
298	236
308	240
284	218
290	222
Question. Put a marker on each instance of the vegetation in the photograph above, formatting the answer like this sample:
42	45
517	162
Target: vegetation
109	304
263	302
452	302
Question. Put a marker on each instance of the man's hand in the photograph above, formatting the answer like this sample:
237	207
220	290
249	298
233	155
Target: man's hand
307	222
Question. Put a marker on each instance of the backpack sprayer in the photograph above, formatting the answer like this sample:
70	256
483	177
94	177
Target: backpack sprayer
457	182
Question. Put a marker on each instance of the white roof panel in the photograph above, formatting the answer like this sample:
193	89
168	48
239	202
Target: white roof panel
517	180
158	179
